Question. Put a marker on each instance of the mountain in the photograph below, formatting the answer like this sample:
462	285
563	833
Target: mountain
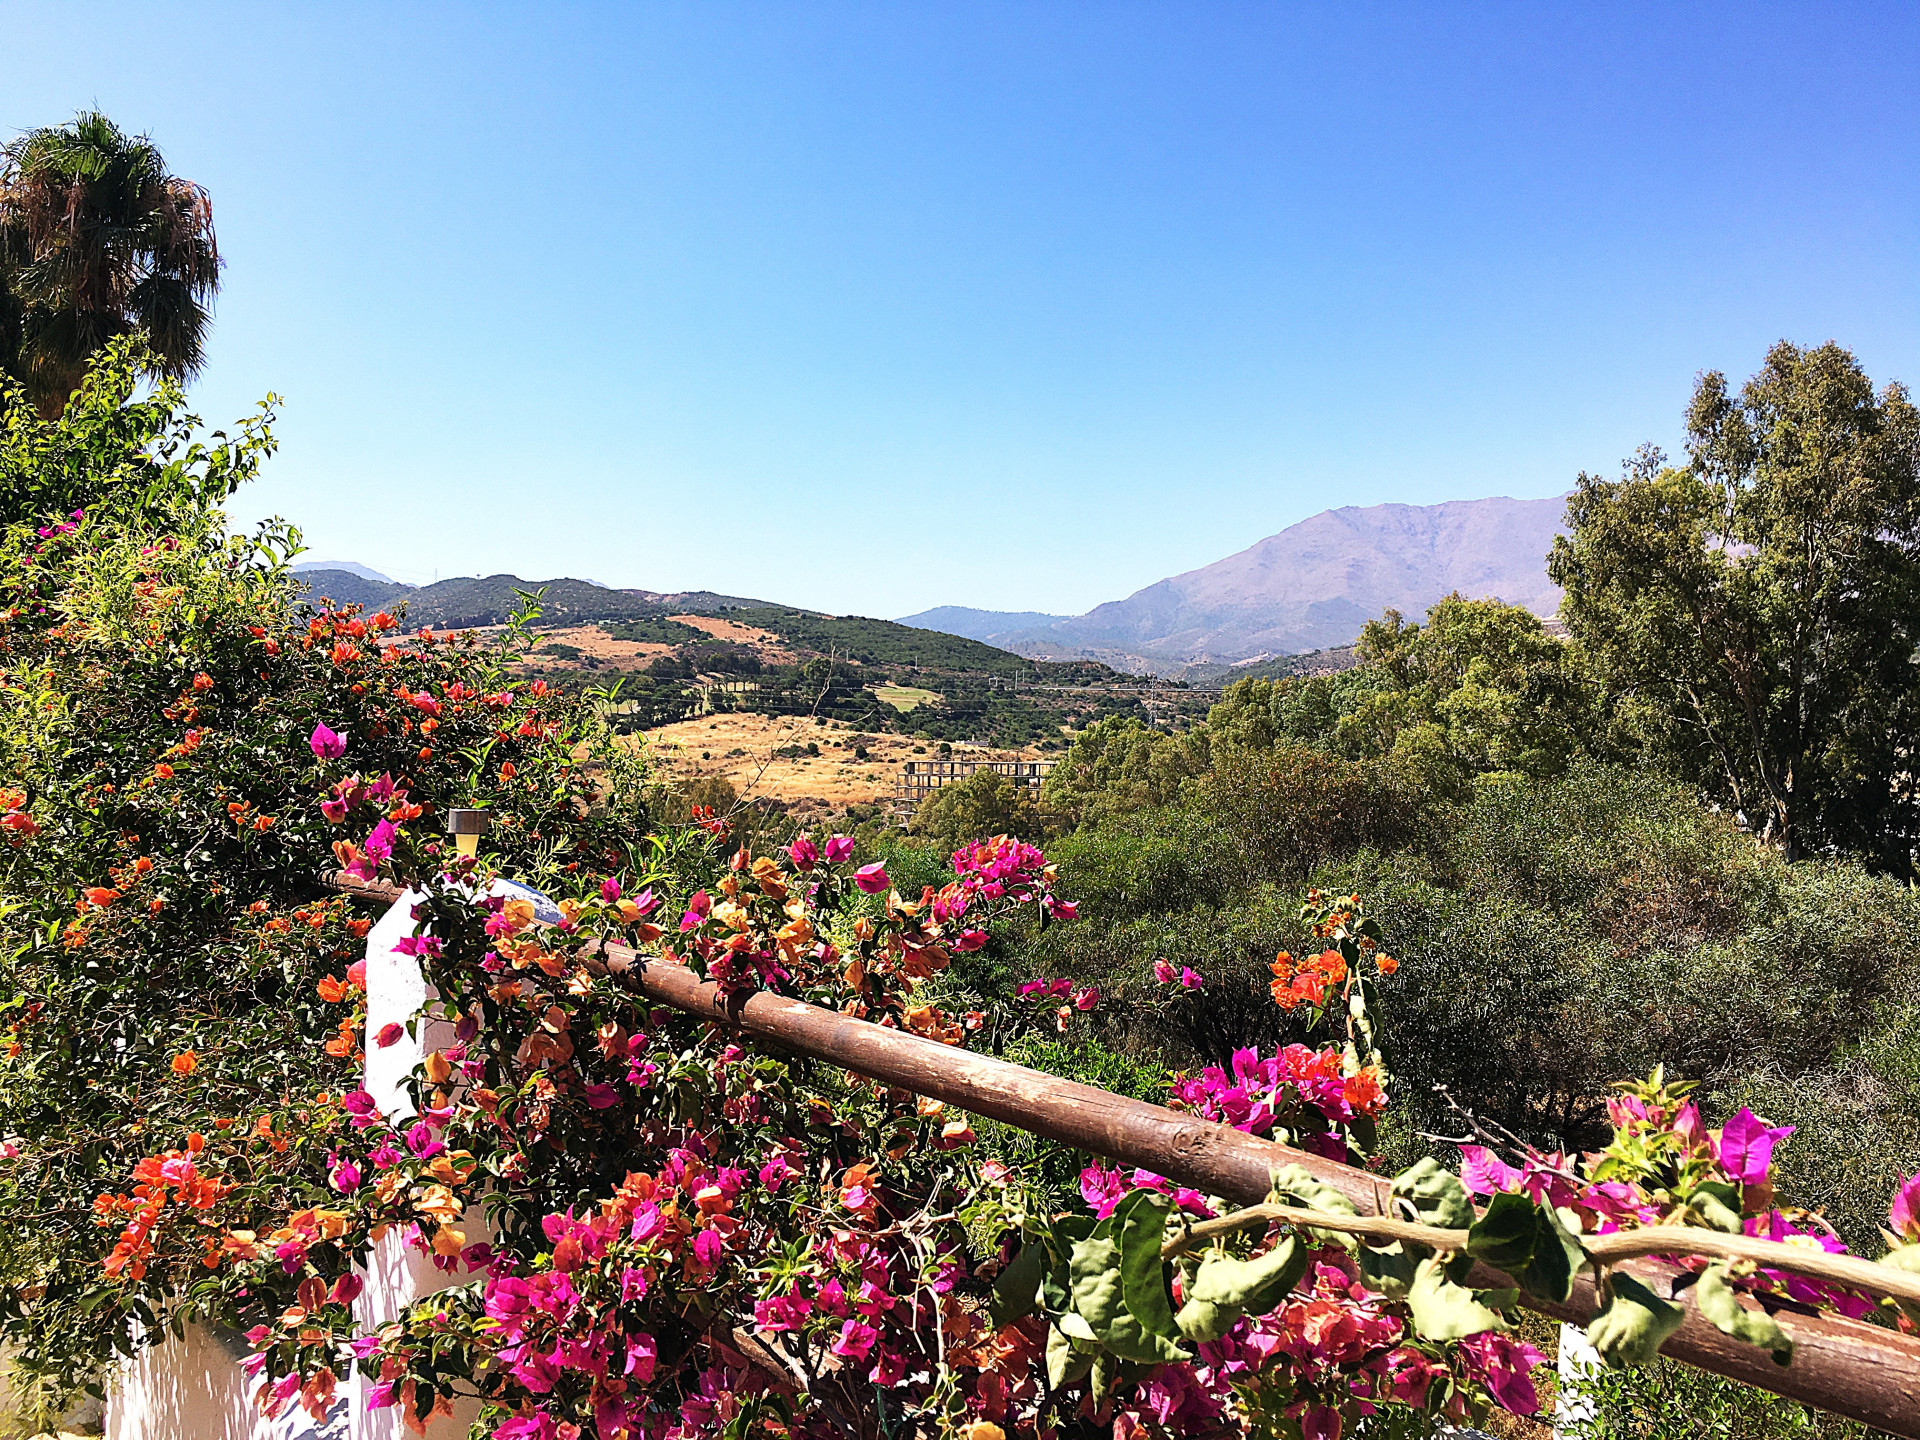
980	624
351	567
1312	586
491	599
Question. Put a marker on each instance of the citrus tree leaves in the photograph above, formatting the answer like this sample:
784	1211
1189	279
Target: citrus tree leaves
1720	1303
1296	1182
1634	1323
1017	1290
1437	1195
1531	1243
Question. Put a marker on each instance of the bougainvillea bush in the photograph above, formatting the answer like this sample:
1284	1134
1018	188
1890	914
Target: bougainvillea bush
655	1229
164	916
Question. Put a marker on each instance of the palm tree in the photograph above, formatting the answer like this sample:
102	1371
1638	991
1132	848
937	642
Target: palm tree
97	239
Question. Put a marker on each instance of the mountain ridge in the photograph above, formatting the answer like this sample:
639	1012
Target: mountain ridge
1311	586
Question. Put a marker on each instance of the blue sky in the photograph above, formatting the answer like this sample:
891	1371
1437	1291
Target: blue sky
878	307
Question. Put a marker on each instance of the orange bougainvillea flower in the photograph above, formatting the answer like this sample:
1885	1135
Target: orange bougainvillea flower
163	771
1388	964
331	990
100	895
1362	1091
342	1044
142	865
185	1062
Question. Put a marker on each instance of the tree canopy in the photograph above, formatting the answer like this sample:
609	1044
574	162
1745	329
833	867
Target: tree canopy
98	239
1756	611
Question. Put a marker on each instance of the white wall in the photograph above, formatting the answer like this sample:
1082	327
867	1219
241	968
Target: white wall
193	1389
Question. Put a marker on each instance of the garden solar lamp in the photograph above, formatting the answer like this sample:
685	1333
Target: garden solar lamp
466	827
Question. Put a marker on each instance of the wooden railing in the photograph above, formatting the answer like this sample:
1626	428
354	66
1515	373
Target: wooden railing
1861	1371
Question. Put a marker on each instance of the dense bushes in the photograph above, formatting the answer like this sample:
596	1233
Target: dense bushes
166	927
1552	933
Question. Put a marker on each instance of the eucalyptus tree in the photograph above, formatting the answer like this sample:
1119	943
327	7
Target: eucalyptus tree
1757	610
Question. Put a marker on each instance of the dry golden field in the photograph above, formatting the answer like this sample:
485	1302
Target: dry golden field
740	749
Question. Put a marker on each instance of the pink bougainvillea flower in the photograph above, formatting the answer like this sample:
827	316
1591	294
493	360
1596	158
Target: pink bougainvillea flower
1485	1173
390	1034
1746	1147
1191	979
640	1358
326	745
698	908
856	1340
1086	999
839	848
782	1312
609	889
804	854
345	1177
1164	973
379	843
1903	1217
1504	1365
872	880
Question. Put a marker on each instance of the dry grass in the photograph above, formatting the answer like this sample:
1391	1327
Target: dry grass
807	784
592	640
764	642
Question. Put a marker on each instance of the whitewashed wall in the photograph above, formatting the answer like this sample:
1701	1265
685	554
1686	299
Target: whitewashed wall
193	1389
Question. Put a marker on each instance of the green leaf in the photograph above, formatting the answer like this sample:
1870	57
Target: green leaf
1504	1237
1056	1287
1202	1320
1297	1183
1106	1375
1634	1323
1018	1289
1102	1275
1443	1310
1389	1269
1719	1301
1436	1193
1558	1256
1066	1362
1224	1288
1717	1203
1141	1223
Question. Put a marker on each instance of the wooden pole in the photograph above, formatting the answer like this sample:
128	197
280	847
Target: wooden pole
1853	1369
1861	1371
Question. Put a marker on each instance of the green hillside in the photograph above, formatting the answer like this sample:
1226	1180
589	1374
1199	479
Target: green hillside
880	642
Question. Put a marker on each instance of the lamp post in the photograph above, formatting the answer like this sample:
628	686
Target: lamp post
466	827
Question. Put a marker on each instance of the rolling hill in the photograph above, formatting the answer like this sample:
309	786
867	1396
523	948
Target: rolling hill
491	599
1312	586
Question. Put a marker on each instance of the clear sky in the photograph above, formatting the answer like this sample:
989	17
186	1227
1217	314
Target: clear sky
1023	306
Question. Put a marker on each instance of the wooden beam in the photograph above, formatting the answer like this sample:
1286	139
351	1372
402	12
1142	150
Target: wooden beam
1861	1371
